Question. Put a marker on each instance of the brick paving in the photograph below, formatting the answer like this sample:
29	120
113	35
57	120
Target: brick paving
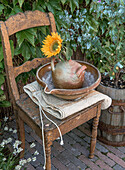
73	155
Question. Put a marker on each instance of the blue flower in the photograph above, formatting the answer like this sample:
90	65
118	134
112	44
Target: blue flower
119	65
81	20
76	20
60	16
77	26
79	39
77	12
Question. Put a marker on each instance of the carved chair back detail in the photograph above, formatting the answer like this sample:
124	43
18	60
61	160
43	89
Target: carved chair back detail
19	22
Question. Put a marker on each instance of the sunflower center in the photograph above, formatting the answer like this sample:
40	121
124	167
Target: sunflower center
54	46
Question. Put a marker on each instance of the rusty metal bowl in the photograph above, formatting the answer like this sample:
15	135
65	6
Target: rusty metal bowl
92	80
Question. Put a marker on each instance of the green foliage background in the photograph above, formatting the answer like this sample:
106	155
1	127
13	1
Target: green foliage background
28	42
102	32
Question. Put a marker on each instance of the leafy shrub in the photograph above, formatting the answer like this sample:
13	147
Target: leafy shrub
78	29
98	30
109	43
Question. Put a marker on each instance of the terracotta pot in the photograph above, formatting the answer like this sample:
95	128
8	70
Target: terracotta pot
112	120
67	74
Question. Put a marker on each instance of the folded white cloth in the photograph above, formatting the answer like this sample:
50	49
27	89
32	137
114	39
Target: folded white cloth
61	108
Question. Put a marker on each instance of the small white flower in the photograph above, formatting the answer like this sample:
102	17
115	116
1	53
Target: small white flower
4	159
19	150
6	128
60	16
32	145
36	153
34	159
76	20
16	144
9	140
14	152
29	160
81	20
18	167
10	130
5	119
15	131
79	39
101	61
2	144
22	162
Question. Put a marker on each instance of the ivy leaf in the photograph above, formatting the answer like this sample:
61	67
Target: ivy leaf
2	98
50	8
15	2
21	3
72	5
1	79
76	2
1	7
38	7
43	30
92	23
122	2
16	10
69	53
1	92
103	26
5	104
1	65
38	52
88	45
63	1
26	50
87	2
12	47
26	35
123	77
55	4
5	2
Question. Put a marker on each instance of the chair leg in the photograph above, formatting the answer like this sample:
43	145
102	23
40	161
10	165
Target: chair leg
94	132
21	136
48	143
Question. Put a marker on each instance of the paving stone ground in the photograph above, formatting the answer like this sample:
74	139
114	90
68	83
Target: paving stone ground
73	155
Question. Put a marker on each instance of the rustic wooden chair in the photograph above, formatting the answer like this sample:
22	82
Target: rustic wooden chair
24	108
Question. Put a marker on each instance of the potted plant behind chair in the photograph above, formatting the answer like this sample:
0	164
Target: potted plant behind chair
109	47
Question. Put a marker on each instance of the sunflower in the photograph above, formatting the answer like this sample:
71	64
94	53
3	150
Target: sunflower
52	45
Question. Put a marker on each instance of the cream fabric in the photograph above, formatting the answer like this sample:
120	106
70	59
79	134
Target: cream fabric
61	108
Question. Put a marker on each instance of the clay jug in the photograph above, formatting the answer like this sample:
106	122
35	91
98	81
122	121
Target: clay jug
67	74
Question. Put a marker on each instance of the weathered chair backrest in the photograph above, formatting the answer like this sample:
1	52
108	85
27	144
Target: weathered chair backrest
16	23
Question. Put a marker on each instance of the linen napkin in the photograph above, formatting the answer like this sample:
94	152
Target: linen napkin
61	108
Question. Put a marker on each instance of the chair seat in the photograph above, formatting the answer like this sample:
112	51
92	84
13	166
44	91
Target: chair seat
32	111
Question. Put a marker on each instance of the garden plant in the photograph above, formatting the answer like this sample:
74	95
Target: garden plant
10	160
99	32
